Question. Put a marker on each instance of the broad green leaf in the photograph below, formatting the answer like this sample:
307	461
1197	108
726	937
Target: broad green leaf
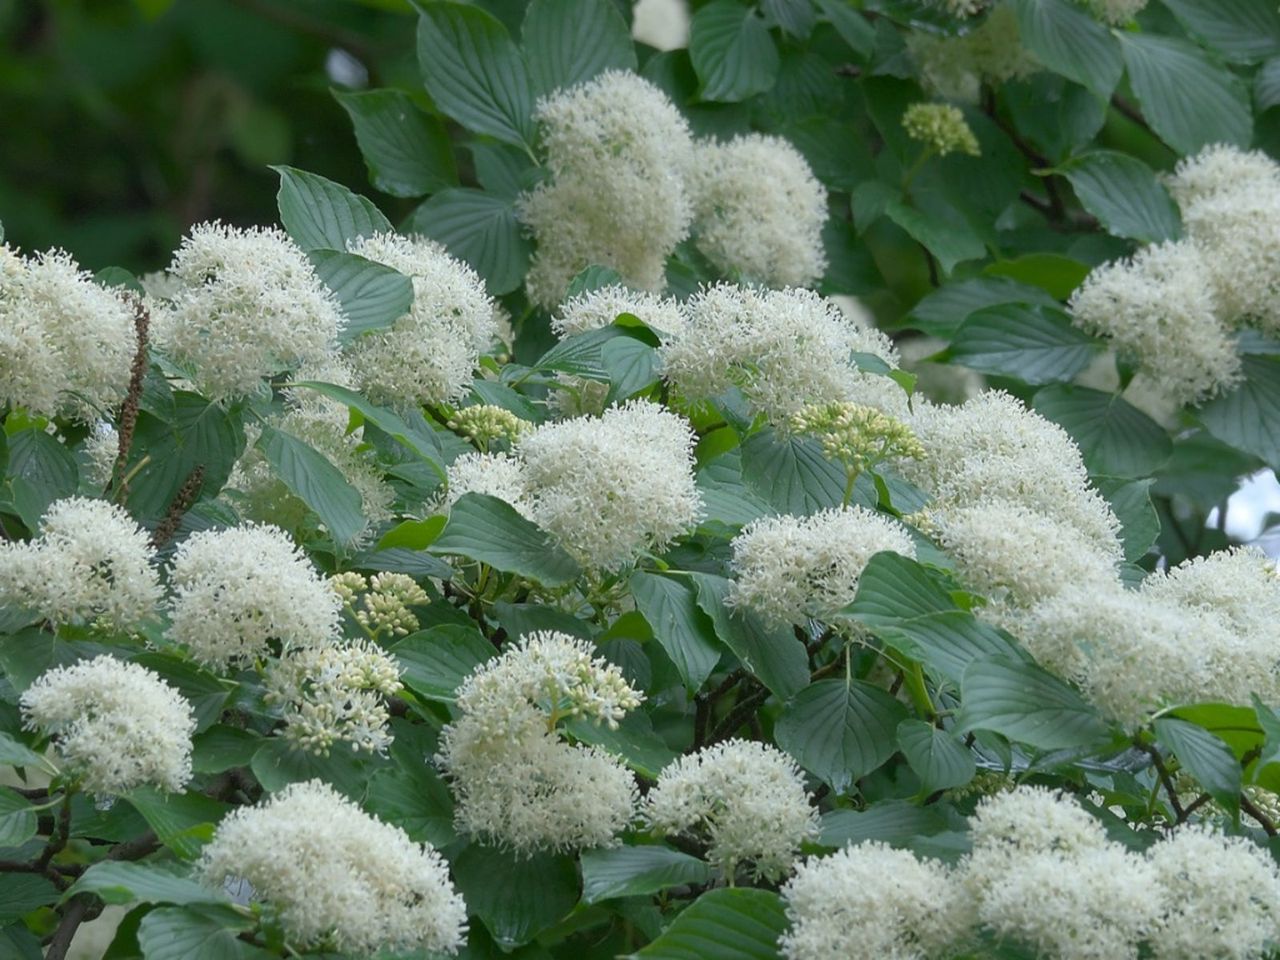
1036	344
724	924
1189	100
1028	704
568	42
40	471
13	753
415	799
373	296
489	530
183	822
480	228
1124	194
895	822
222	747
950	241
436	661
316	482
637	871
413	534
732	52
417	439
191	933
685	632
938	757
1115	438
840	731
121	882
203	690
632	366
279	763
24	892
515	898
474	72
1241	30
1131	503
406	150
17	819
1070	42
795	17
322	215
905	606
791	473
1248	417
1055	274
943	311
634	741
1205	757
852	26
1266	85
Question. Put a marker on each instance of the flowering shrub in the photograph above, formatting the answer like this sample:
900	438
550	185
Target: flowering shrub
577	570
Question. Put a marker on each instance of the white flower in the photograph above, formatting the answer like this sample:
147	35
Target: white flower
1159	308
610	488
1240	238
1221	897
91	563
759	211
335	693
785	349
1221	170
789	568
429	354
115	725
494	474
515	781
599	308
101	448
237	589
249	306
66	344
618	150
992	448
955	68
337	876
871	900
745	800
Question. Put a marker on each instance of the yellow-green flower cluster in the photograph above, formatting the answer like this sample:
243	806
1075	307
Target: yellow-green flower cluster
385	600
855	435
484	423
942	127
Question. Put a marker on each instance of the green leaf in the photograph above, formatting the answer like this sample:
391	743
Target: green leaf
16	754
121	882
732	52
637	871
1124	194
947	237
416	800
420	441
24	892
436	661
1036	344
724	924
1266	85
1206	757
904	605
17	819
1028	704
221	747
474	72
203	690
315	481
188	933
851	25
372	295
40	471
1189	100
1070	42
489	530
570	41
480	228
632	366
413	534
516	899
1131	503
278	763
895	822
183	822
1053	273
840	731
1248	417
407	150
791	473
634	741
1245	31
686	633
942	312
322	215
938	757
1115	437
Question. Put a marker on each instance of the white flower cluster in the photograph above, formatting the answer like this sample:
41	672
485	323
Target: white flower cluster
429	354
495	474
235	590
618	151
334	692
337	876
955	68
385	601
245	305
115	725
610	488
789	568
91	563
871	900
516	783
66	344
785	349
759	211
745	800
600	307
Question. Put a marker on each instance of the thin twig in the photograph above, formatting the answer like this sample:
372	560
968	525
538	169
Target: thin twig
1165	779
1249	807
77	913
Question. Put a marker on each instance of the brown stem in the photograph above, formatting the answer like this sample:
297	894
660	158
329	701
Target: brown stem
1249	807
1165	779
1129	110
178	507
743	710
77	913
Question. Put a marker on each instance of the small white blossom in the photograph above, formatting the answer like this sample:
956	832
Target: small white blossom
115	725
745	800
955	68
599	308
336	875
613	487
1221	170
101	448
495	474
759	211
789	568
249	306
91	563
236	590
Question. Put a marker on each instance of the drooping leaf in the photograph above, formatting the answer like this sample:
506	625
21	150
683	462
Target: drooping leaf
322	215
480	228
122	882
1036	344
515	898
406	149
840	731
315	481
938	757
685	632
1205	756
1124	194
1028	704
568	42
17	819
489	530
732	52
637	871
724	924
1115	437
372	295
